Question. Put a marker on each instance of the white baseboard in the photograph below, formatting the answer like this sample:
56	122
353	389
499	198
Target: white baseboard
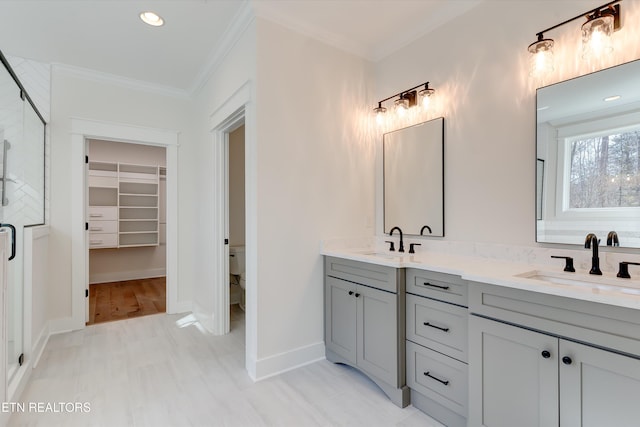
287	361
181	307
39	344
119	276
61	325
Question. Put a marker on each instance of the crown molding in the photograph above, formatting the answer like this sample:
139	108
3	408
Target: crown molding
313	31
125	82
239	24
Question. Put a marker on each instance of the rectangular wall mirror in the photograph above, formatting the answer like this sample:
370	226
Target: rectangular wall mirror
414	178
588	141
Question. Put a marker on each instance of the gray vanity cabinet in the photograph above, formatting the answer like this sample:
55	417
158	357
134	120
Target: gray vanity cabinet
538	370
515	385
437	345
364	322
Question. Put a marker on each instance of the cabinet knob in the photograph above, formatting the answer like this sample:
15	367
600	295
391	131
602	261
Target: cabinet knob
350	292
357	295
546	354
567	360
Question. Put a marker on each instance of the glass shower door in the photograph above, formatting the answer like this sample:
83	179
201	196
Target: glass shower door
21	198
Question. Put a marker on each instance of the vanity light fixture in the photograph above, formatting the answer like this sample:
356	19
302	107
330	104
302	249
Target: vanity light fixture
151	18
596	37
406	99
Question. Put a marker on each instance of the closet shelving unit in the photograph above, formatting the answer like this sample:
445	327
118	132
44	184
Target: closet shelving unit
127	195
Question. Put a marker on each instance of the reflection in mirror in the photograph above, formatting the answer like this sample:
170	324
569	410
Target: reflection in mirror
588	141
414	178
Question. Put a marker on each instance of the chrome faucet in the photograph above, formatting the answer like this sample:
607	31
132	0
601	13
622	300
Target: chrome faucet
612	239
591	241
401	249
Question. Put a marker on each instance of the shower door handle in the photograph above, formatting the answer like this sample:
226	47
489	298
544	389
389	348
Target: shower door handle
13	239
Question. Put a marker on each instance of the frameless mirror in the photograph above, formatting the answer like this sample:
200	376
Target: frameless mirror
414	178
588	157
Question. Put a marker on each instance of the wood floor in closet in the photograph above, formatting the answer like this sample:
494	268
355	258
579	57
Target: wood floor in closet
124	300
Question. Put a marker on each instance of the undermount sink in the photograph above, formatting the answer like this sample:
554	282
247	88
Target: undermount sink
386	255
590	281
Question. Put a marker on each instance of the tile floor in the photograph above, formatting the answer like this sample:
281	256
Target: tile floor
161	370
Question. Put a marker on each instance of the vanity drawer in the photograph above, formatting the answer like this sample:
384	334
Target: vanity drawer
99	227
103	240
374	275
440	286
103	213
438	377
437	325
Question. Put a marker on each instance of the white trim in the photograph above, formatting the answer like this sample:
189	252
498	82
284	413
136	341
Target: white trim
222	120
232	34
287	361
125	82
118	276
40	344
81	129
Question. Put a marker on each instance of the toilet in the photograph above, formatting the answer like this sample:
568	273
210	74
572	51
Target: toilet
237	275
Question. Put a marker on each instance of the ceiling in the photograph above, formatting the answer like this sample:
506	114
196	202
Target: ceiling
106	36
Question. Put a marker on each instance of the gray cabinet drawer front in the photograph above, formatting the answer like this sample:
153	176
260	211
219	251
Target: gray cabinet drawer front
377	276
441	286
437	325
438	377
601	325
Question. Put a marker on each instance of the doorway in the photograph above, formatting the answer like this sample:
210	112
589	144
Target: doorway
82	130
126	187
235	215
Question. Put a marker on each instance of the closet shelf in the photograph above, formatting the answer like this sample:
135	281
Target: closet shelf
132	191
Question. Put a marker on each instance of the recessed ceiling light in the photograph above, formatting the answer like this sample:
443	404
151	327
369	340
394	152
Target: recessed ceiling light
152	19
612	98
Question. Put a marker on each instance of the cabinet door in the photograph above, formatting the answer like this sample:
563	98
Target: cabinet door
340	318
510	381
598	387
378	334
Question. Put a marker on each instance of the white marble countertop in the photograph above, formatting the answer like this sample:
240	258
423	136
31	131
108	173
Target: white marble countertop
606	289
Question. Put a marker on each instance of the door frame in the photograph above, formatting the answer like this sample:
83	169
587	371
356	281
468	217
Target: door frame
81	130
238	107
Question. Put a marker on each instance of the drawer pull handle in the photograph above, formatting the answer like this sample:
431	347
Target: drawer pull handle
436	286
436	378
436	327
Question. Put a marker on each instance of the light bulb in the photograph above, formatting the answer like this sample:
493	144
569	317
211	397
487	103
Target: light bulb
401	105
380	113
596	37
541	57
425	96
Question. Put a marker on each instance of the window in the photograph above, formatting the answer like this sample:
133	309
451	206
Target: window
604	169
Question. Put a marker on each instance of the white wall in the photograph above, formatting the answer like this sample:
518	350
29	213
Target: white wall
73	96
236	71
478	66
315	179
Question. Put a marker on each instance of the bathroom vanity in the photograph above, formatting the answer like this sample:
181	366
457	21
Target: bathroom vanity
539	358
364	322
488	342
